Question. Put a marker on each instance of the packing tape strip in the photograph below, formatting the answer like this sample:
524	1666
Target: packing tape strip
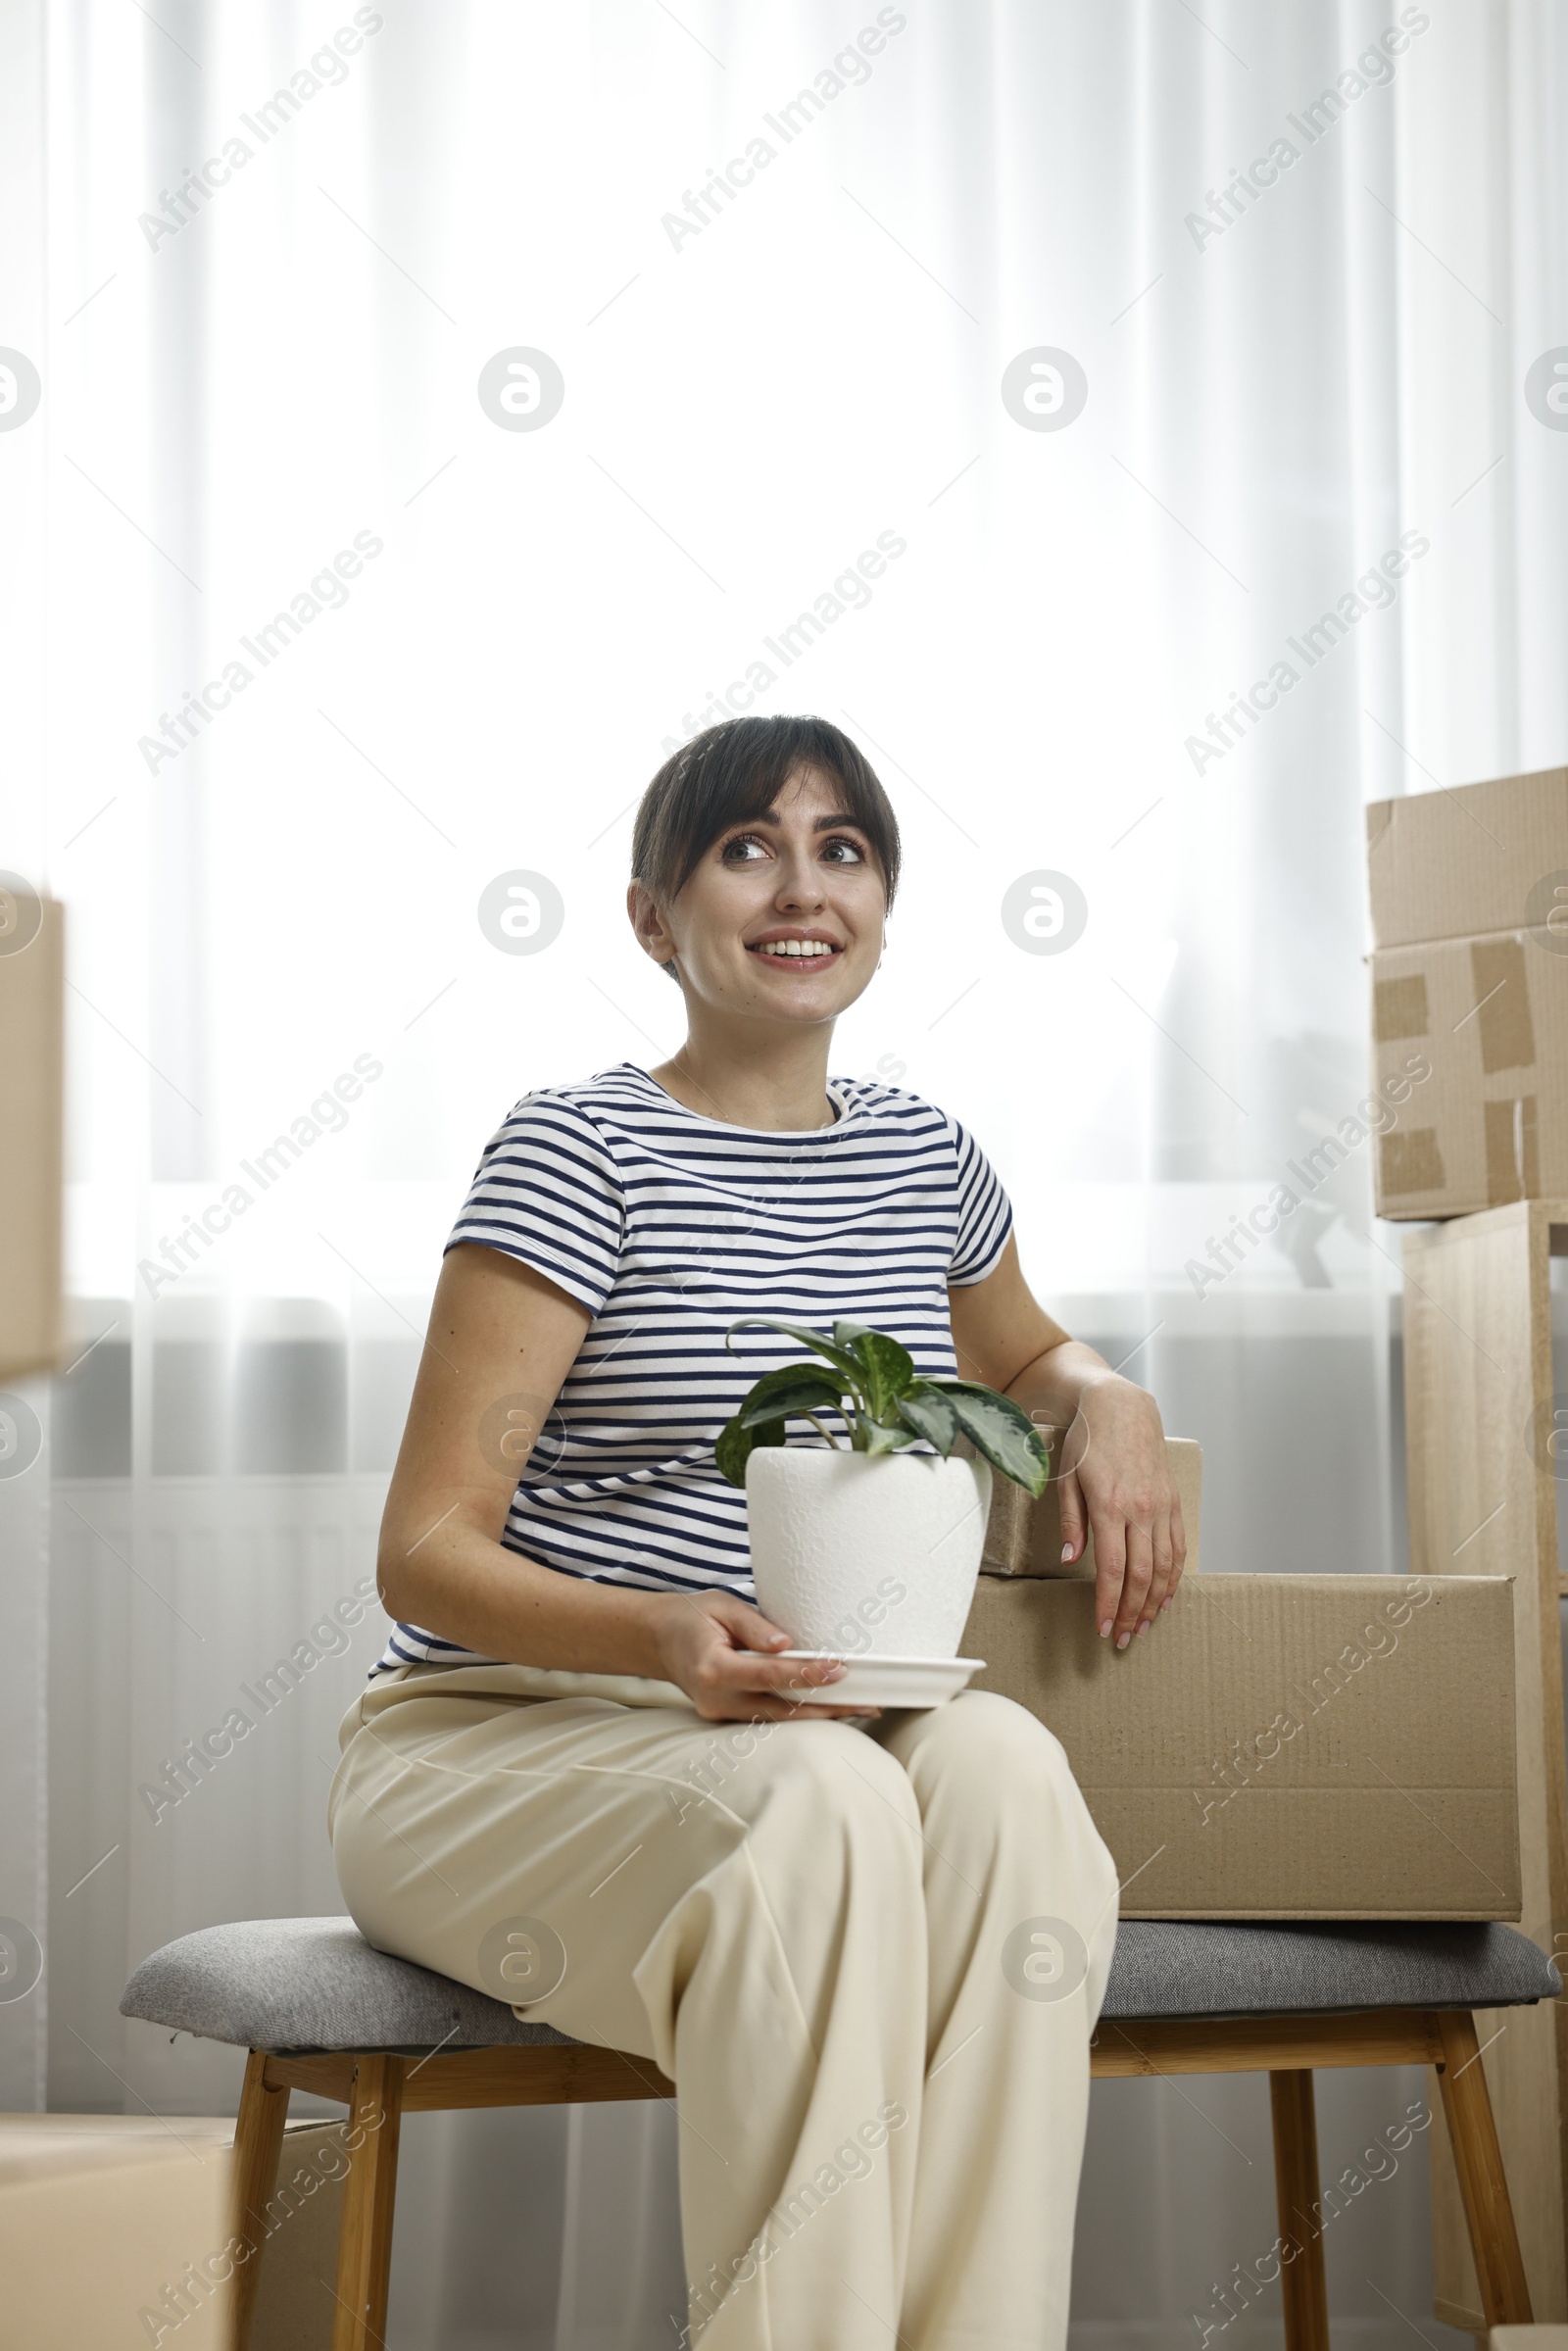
1513	1151
1503	1005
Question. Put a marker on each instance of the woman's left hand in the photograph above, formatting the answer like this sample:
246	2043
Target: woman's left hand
1120	1488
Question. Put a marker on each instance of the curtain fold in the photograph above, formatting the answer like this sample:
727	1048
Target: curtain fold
326	642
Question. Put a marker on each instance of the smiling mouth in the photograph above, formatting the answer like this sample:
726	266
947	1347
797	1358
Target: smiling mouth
802	956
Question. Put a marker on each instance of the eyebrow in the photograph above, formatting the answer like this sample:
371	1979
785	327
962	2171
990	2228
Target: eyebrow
819	824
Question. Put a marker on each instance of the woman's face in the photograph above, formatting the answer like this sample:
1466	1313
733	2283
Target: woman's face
805	872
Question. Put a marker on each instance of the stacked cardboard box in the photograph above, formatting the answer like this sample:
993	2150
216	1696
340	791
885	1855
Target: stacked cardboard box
1469	893
1275	1746
32	990
1470	976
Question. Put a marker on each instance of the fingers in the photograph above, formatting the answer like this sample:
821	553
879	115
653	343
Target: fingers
1136	1575
741	1685
1178	1546
1110	1560
1070	1499
724	1655
754	1708
747	1626
780	1691
1164	1564
1126	1486
1151	1549
1169	1541
782	1673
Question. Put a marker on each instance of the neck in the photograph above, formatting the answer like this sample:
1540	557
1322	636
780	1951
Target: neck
780	1084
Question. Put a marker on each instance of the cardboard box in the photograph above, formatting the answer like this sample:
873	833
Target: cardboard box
296	2298
1470	977
1282	1746
1490	1016
105	2218
32	1055
1023	1537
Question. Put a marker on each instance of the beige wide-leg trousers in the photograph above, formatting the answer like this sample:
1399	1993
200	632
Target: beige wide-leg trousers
871	1960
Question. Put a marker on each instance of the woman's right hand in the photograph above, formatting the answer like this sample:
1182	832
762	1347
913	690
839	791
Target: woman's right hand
720	1652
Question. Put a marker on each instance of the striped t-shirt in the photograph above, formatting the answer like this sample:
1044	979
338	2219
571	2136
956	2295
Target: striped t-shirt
668	1227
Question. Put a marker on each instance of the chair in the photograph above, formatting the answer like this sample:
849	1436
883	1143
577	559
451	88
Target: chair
321	2010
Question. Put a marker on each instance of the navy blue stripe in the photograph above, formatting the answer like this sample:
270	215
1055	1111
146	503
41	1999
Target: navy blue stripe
668	1227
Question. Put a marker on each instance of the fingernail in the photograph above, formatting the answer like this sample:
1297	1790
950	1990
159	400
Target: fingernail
1144	1623
1067	1552
1122	1639
1166	1603
1105	1628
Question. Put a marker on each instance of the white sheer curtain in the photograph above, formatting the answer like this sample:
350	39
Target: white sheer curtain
248	380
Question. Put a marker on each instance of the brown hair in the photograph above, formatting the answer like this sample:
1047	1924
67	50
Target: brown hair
735	771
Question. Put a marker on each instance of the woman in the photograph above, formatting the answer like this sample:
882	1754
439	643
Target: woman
827	1931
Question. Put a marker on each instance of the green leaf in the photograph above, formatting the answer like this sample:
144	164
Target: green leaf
889	1406
888	1368
1044	1438
928	1413
784	1378
847	1332
803	1333
977	1388
805	1392
735	1444
1003	1431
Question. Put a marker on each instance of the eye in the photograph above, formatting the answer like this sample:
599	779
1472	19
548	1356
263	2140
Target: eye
734	847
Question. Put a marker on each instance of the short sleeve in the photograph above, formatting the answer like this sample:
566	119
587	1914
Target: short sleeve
985	1213
547	1190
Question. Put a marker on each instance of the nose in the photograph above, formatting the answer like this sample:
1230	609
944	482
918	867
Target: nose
801	881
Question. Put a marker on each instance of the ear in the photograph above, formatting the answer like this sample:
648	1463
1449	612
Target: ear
642	912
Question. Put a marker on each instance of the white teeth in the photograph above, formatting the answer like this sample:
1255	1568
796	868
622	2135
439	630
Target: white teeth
796	947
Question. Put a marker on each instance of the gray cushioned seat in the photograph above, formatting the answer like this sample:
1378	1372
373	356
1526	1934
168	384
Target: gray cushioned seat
316	1984
1167	1967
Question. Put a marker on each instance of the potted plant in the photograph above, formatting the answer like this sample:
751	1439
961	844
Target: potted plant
874	1537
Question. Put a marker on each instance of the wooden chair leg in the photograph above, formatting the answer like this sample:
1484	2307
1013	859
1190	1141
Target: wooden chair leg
364	2238
1295	2196
1483	2186
257	2138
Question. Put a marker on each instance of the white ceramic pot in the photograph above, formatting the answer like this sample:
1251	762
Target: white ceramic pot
870	1555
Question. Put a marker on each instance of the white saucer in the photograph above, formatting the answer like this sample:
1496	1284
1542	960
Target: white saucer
888	1681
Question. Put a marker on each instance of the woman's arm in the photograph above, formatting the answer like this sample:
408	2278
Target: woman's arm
1119	1476
501	1342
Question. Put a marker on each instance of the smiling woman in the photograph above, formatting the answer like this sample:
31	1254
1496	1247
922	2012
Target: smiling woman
719	837
575	1621
717	802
